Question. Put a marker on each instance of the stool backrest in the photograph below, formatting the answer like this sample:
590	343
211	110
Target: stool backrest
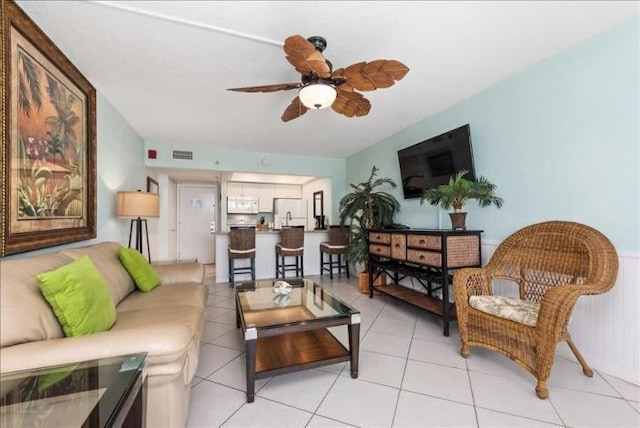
338	235
292	237
242	238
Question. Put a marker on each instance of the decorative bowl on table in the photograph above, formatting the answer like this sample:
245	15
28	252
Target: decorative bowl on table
282	287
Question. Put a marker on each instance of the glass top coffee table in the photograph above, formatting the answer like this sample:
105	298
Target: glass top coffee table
99	393
287	333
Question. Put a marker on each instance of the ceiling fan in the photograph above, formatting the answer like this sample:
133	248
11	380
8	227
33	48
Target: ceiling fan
321	86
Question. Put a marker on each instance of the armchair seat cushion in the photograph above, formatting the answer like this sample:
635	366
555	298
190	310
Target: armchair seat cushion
520	311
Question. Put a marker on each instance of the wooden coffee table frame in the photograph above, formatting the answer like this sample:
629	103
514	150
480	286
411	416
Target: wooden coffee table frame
290	347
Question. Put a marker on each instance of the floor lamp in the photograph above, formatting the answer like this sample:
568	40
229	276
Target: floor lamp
138	206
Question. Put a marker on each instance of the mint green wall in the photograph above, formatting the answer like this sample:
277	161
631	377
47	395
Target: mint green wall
120	160
211	158
561	141
120	153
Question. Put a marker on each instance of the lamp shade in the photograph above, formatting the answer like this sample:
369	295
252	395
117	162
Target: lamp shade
317	95
138	204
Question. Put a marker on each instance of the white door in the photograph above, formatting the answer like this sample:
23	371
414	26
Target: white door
196	222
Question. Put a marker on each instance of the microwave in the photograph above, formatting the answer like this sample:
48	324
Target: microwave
242	205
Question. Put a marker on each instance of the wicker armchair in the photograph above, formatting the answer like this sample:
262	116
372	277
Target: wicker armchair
553	263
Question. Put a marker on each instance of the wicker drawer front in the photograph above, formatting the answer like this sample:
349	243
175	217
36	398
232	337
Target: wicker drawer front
398	246
380	250
427	242
424	257
463	251
380	238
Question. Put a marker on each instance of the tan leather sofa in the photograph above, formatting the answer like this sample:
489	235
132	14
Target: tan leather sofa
166	323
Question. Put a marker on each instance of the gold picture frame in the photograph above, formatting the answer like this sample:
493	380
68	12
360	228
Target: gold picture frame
48	141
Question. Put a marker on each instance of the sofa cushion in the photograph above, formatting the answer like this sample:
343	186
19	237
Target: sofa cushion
79	297
25	316
183	315
136	264
171	273
187	294
164	344
105	257
521	311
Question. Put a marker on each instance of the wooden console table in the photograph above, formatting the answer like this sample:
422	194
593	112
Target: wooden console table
429	256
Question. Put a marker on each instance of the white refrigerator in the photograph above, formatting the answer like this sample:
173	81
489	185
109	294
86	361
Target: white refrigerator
289	212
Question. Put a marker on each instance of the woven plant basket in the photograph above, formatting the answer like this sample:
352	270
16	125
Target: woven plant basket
363	279
458	221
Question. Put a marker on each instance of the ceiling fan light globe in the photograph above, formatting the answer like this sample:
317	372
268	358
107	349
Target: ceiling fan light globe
317	95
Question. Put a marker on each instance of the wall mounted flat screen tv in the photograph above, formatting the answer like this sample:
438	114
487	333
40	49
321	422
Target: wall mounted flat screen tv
432	162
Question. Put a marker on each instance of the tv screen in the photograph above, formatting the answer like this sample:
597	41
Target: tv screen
432	162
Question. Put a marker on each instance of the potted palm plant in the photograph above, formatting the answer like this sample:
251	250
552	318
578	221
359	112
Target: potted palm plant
459	190
366	207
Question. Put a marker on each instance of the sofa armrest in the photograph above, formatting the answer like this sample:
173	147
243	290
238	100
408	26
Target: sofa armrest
174	273
171	344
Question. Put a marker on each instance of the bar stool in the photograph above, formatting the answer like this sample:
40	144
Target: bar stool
337	245
242	245
291	245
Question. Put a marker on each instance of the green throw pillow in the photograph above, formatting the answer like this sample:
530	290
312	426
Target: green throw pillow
145	277
79	297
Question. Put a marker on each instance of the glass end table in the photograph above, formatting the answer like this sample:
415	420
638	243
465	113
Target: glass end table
98	393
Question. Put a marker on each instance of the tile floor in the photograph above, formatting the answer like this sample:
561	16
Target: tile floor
410	376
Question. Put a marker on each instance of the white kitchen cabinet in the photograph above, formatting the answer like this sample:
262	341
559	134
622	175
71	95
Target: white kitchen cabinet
265	197
240	189
251	190
264	192
288	191
234	189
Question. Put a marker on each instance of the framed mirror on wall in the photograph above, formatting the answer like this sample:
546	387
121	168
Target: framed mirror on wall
318	209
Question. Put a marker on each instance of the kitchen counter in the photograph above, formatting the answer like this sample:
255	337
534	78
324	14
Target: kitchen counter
266	241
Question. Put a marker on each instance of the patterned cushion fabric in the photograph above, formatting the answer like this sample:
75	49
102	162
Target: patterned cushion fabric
517	310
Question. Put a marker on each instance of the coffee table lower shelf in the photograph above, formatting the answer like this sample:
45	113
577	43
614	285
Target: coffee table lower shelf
291	352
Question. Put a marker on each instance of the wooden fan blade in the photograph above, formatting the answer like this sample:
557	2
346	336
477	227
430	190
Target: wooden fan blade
305	58
268	88
355	78
295	110
344	85
395	69
369	76
351	104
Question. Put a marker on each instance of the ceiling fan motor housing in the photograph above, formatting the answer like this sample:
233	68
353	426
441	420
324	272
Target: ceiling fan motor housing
320	43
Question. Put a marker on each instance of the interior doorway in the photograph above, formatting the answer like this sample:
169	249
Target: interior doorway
196	222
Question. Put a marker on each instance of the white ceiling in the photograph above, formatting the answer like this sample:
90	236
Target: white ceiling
165	65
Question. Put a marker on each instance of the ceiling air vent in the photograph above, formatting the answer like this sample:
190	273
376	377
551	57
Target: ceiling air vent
182	155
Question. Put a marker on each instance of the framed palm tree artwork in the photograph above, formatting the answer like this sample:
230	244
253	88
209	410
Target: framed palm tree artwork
48	141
